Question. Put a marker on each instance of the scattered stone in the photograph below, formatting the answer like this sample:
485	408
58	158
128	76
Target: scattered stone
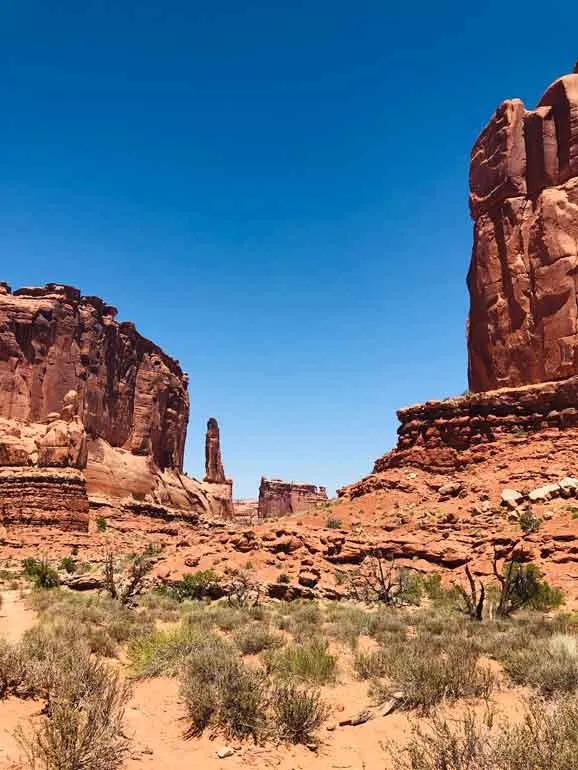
511	498
225	751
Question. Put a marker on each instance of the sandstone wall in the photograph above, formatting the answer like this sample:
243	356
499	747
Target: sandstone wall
130	393
523	323
281	498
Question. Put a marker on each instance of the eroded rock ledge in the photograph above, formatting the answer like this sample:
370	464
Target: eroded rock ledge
443	436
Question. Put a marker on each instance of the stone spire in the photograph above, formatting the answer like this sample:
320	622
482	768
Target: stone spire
214	472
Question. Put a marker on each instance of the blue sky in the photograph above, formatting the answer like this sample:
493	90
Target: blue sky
274	192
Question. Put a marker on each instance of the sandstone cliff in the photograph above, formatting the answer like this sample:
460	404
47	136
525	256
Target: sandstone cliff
131	403
523	325
282	498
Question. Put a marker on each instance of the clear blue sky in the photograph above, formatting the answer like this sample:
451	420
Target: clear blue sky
274	192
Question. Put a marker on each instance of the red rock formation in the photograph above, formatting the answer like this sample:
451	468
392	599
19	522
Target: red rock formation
131	394
214	472
523	324
41	471
281	498
131	399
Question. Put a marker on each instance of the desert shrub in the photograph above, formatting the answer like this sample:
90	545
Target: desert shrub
165	652
102	622
529	522
101	524
298	712
547	739
522	585
371	665
255	639
220	690
347	624
197	585
226	618
161	606
386	625
333	523
428	672
304	621
284	578
68	564
82	729
13	670
243	590
40	573
549	665
309	662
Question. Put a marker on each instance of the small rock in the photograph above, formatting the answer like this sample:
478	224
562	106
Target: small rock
511	498
224	752
451	489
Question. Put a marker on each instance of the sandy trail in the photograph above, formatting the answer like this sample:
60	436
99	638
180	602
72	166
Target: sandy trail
15	617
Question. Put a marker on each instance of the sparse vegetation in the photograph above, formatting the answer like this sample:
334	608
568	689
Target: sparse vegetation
40	573
298	713
101	524
333	523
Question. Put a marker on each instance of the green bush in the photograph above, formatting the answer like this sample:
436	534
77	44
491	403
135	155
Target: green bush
163	653
333	523
40	573
197	585
308	662
101	524
68	564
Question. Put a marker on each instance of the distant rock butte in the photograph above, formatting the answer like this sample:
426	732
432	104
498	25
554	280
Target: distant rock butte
74	379
282	498
523	324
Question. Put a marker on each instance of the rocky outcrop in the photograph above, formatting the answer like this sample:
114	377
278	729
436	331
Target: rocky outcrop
523	324
281	498
130	393
443	436
214	472
41	470
131	404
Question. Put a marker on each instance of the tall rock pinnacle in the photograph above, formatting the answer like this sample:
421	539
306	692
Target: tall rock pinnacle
523	324
214	472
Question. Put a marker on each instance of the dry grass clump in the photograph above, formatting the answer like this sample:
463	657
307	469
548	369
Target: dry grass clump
308	662
428	673
256	638
347	624
102	622
303	620
549	665
82	729
547	739
372	665
298	713
163	653
221	691
13	670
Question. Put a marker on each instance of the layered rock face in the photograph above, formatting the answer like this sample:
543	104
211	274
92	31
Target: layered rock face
41	470
281	498
523	324
131	403
130	393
